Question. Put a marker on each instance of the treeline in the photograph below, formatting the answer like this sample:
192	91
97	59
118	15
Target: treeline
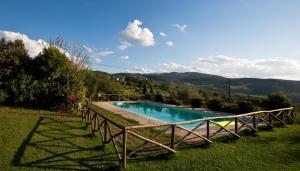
180	94
197	97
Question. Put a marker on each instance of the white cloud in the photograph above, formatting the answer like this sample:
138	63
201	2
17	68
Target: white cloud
136	34
140	70
34	47
124	45
124	57
240	67
97	60
102	53
169	43
97	55
88	49
279	68
181	28
162	34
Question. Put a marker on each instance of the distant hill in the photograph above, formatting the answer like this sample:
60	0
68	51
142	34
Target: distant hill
243	86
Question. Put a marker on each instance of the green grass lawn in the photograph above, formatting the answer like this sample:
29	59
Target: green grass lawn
40	140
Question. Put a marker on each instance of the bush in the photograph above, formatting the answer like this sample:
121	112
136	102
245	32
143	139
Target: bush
159	98
230	107
276	101
246	106
214	104
3	96
197	102
149	96
173	101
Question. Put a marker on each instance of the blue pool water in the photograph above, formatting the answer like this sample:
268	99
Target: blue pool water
165	113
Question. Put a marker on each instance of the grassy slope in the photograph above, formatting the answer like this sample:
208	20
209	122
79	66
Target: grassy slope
278	149
60	143
31	142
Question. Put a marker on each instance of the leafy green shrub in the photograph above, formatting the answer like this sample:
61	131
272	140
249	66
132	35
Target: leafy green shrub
230	107
3	96
150	96
214	104
173	101
144	89
196	102
276	101
245	106
159	98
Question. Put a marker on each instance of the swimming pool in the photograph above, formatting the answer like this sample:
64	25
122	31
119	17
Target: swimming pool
165	113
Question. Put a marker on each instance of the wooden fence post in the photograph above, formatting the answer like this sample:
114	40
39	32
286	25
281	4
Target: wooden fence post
270	118
124	147
173	136
236	125
207	130
282	115
292	114
105	131
254	121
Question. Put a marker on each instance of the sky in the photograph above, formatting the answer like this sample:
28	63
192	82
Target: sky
232	38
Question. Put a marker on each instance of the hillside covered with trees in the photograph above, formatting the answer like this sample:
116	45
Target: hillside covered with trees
239	86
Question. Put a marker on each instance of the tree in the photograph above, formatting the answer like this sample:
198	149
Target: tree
56	73
151	89
47	80
276	101
245	106
78	55
14	65
145	89
159	98
214	104
196	102
91	84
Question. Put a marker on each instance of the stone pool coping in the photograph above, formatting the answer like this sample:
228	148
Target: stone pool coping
143	120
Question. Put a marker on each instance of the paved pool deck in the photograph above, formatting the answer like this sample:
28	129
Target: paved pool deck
143	120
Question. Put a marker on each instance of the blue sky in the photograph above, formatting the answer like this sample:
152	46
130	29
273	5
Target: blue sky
234	38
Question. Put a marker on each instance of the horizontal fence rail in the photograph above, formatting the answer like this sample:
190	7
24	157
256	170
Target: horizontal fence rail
170	136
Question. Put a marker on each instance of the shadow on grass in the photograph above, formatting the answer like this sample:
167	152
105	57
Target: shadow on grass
63	145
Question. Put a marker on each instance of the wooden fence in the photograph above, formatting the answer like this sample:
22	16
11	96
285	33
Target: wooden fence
170	136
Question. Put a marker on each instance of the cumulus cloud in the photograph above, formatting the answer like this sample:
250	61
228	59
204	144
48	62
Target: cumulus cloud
136	34
162	34
124	45
181	28
34	47
88	49
102	53
142	70
124	57
169	43
97	55
279	68
97	60
240	67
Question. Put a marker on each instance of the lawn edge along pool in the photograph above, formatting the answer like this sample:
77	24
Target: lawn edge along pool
167	114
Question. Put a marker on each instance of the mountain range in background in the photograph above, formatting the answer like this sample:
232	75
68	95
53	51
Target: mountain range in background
239	86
